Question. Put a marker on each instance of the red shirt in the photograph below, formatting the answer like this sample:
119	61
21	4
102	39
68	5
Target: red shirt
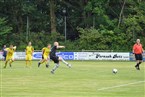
137	48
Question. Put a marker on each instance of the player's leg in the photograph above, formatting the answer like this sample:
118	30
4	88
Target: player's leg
56	61
137	65
30	60
54	68
26	63
4	57
139	61
27	60
67	64
11	61
41	61
6	62
47	62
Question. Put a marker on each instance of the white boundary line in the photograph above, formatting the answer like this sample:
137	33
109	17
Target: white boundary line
106	88
1	78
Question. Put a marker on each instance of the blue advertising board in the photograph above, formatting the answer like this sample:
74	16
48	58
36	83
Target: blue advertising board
64	55
37	55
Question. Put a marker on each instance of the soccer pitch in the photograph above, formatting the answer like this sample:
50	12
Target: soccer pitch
84	79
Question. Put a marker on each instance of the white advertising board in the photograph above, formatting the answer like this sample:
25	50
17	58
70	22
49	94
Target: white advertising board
19	55
1	55
101	56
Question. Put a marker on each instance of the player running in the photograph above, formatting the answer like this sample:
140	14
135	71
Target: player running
138	50
45	56
10	55
55	58
4	52
29	54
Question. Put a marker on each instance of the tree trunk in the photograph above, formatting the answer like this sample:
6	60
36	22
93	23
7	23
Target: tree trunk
20	25
121	12
85	15
52	16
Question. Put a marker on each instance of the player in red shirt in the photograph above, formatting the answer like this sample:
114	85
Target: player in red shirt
138	50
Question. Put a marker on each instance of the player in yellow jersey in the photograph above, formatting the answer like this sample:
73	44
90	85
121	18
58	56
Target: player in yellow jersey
10	55
29	54
45	56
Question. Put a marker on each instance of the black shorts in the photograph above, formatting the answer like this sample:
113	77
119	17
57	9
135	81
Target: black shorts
55	59
138	56
4	57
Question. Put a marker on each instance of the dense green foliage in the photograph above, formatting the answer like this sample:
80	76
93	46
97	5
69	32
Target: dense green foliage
91	24
4	30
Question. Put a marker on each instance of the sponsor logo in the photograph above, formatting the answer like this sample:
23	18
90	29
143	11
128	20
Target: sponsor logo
37	55
103	56
109	56
117	56
66	55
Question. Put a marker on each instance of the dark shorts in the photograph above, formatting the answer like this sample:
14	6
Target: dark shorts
138	56
55	59
4	57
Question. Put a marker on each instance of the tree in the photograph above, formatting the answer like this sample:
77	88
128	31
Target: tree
4	30
110	23
95	39
52	16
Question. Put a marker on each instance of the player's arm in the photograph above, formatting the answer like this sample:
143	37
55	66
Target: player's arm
32	50
26	50
60	47
6	49
133	49
143	50
14	48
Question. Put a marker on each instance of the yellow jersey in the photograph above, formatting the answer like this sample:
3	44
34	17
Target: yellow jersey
46	51
29	50
10	52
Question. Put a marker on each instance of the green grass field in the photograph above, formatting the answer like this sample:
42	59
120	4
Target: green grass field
84	79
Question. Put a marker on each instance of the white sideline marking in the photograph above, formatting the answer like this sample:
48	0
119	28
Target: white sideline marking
121	85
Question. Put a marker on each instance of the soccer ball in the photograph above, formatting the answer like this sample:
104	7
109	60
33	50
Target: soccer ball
114	71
